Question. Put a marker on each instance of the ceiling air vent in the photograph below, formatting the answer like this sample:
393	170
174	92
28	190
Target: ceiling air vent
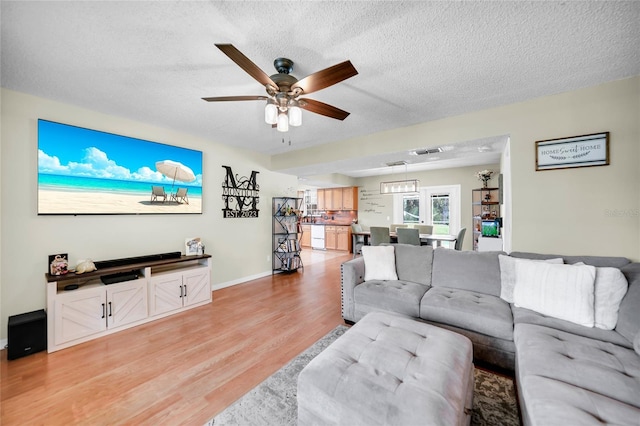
427	151
397	163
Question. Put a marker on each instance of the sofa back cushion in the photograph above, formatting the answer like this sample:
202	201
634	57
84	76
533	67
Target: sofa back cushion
467	270
614	262
629	313
413	263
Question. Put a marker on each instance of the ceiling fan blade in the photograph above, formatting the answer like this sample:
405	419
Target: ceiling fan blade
323	109
327	77
245	63
235	98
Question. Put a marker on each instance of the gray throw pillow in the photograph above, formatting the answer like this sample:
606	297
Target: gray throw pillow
636	343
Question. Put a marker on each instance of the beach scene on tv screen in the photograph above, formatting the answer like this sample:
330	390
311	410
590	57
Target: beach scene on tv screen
84	171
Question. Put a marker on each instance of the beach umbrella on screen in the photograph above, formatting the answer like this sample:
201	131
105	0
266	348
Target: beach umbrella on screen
176	171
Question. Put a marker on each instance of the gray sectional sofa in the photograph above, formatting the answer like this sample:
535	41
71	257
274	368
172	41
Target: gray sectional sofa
566	373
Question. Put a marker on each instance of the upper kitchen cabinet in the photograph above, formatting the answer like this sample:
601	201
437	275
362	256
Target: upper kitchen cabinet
338	198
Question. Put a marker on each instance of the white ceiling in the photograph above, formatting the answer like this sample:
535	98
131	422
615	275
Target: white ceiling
417	61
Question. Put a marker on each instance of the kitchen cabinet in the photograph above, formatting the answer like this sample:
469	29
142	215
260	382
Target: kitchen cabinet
320	195
350	198
343	238
337	237
330	238
305	239
338	198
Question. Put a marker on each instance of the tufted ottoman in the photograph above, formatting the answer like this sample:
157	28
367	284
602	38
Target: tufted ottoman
389	369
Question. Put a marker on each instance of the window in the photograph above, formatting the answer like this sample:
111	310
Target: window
440	213
411	209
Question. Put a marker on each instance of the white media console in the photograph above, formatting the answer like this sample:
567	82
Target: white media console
162	288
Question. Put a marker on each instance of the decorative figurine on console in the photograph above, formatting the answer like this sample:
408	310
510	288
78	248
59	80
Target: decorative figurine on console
58	264
85	265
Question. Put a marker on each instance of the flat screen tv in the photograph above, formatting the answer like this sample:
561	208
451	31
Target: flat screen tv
491	228
83	171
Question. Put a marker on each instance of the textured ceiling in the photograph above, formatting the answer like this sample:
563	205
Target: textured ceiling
417	61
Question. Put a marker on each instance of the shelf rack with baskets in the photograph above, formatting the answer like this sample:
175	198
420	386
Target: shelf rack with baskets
286	234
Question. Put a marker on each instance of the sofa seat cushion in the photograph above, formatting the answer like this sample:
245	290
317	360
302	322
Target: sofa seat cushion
479	312
595	366
398	296
527	316
547	401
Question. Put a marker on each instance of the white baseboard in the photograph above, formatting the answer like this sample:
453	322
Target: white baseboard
240	280
3	343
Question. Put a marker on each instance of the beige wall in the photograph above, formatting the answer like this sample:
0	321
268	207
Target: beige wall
240	247
592	210
577	211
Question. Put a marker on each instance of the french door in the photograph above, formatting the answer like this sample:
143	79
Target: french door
438	206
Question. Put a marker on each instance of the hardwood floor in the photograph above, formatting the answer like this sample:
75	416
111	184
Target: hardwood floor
183	369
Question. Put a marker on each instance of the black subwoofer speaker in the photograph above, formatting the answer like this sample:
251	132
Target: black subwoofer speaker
27	334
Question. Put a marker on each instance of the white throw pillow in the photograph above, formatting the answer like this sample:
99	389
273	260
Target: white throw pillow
610	288
566	292
379	263
508	273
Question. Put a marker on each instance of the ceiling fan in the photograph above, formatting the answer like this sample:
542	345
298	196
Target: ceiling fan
284	90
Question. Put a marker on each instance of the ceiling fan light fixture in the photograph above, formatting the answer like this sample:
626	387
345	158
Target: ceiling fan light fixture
295	114
283	122
271	112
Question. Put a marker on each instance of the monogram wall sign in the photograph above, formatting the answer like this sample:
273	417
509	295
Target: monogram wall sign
240	195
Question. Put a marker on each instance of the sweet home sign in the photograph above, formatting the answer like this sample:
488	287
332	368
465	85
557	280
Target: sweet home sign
576	151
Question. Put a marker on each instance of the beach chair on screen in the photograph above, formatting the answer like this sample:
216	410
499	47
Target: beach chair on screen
158	194
180	196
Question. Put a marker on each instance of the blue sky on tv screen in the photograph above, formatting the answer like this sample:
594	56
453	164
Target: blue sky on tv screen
74	151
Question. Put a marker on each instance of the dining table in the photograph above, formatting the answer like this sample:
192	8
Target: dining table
435	240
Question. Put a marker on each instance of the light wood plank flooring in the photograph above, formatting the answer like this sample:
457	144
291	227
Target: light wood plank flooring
183	369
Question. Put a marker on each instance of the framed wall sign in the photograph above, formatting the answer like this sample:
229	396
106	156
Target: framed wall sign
576	151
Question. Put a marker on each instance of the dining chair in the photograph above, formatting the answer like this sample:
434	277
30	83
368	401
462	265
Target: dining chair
359	240
394	226
424	229
460	238
379	235
408	236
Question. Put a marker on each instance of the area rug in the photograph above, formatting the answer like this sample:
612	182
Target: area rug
273	402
